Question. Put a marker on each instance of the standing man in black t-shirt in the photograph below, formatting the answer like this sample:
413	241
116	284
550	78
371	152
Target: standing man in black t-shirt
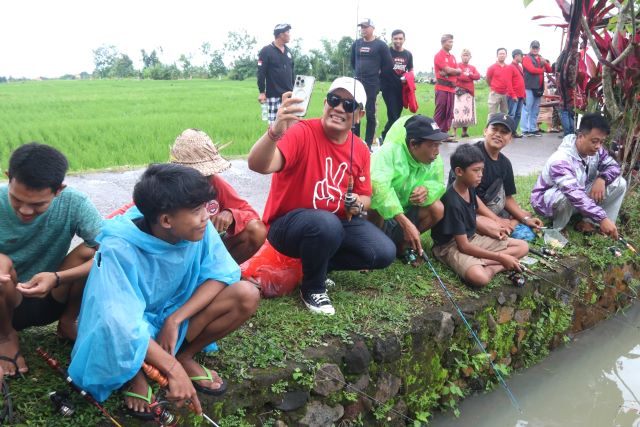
275	71
391	82
369	58
498	186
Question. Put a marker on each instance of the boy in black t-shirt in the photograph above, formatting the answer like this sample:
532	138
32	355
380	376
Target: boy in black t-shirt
498	188
473	257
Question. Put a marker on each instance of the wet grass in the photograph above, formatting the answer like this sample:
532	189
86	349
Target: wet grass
101	124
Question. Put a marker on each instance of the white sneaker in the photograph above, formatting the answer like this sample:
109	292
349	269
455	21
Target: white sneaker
318	303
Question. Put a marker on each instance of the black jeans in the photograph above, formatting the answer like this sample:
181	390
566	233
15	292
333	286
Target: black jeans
393	100
371	89
325	243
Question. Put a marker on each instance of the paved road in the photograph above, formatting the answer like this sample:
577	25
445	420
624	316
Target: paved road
110	190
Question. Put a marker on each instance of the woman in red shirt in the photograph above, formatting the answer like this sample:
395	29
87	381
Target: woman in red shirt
464	110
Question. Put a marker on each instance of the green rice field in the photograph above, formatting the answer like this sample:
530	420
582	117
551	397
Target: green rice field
102	124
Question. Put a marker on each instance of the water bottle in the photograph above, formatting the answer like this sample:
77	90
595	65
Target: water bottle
265	111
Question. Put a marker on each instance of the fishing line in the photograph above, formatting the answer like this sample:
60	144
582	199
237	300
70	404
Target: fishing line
6	416
513	399
553	259
579	298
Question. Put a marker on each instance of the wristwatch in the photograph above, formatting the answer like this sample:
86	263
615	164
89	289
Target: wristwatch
525	219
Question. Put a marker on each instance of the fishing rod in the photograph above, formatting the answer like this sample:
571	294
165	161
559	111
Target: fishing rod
512	397
55	365
154	374
628	245
579	298
6	416
548	255
350	199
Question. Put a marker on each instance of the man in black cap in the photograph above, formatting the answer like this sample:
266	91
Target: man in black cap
515	88
534	68
407	175
275	71
498	187
370	57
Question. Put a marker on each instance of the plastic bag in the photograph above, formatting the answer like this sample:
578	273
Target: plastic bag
276	274
523	232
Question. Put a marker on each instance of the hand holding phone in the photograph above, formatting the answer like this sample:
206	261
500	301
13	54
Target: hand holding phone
302	88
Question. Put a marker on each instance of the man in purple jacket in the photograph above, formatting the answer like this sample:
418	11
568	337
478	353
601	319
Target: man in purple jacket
581	177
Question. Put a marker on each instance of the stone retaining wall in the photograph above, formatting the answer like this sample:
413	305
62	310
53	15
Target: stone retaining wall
398	380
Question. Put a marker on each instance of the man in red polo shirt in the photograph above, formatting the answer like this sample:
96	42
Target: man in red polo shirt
534	67
447	72
497	81
515	88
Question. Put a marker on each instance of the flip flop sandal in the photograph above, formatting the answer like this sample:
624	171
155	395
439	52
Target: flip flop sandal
147	416
208	377
14	362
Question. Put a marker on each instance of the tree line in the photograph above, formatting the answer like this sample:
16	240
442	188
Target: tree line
236	60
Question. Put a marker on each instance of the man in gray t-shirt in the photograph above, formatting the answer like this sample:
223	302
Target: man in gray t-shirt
40	280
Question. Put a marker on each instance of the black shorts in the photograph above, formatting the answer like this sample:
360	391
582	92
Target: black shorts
37	312
392	229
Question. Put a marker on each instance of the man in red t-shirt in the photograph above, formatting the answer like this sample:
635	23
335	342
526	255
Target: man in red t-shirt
498	82
312	162
515	88
447	72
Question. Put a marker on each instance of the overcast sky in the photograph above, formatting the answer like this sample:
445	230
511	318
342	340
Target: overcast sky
51	38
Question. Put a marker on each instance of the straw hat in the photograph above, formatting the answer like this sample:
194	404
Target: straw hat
195	149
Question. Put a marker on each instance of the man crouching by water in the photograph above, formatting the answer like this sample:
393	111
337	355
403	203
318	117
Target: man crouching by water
311	163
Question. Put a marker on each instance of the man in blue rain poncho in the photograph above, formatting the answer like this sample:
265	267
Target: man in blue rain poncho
159	292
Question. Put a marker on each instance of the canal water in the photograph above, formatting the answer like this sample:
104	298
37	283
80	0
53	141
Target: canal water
593	381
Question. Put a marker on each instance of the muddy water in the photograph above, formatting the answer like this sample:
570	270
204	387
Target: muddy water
593	381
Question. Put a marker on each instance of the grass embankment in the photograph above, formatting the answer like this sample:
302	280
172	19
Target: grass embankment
376	303
100	124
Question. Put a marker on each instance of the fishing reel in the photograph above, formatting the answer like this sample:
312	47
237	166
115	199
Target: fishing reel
548	251
61	403
518	280
410	257
615	251
162	415
351	201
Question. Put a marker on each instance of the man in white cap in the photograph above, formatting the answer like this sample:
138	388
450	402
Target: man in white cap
275	70
313	162
370	58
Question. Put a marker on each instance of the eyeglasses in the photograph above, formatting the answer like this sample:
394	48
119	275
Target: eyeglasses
349	105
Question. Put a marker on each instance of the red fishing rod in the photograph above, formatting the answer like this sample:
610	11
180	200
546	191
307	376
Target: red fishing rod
55	365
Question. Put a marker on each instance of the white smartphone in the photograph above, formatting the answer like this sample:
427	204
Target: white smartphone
302	88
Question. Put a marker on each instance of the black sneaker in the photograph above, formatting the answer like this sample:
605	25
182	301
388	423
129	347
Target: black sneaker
527	134
537	133
318	303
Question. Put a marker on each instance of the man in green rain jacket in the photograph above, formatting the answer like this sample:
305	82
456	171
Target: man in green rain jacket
407	175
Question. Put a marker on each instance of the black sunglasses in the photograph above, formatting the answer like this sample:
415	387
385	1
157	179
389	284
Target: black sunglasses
349	105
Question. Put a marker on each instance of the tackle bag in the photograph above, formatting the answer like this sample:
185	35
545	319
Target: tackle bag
274	273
